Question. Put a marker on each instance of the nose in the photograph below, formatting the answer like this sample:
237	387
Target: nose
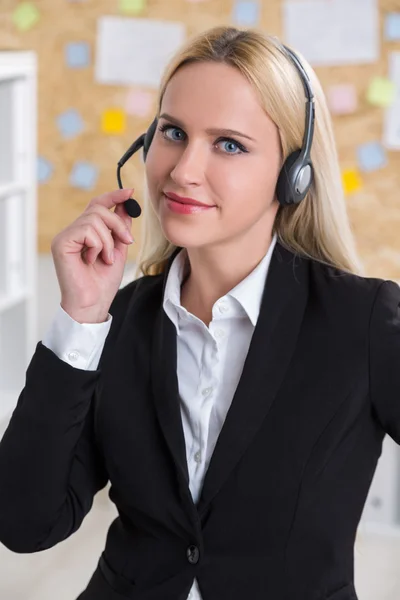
190	166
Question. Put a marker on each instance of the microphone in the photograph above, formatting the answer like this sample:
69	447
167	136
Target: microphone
132	206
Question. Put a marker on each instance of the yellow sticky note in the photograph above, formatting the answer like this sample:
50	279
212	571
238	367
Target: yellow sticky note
113	121
132	7
351	181
381	92
25	16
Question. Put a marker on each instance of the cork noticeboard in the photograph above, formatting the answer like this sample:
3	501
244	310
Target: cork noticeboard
374	211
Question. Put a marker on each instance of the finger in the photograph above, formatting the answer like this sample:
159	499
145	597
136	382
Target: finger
120	210
103	234
111	199
93	245
112	221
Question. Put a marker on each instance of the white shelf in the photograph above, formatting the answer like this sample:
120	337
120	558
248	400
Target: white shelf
7	302
10	189
18	223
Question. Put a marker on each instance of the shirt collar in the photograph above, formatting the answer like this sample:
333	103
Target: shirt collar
248	292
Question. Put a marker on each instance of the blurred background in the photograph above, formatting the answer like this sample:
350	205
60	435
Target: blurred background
78	82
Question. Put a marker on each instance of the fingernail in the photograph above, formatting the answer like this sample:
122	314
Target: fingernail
112	256
128	237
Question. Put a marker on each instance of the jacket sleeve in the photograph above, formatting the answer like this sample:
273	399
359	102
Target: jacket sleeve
50	467
385	358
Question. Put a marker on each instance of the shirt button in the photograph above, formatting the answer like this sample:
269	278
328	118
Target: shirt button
73	355
219	333
207	391
197	456
223	307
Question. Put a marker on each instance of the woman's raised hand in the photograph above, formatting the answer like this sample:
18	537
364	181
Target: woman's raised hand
89	257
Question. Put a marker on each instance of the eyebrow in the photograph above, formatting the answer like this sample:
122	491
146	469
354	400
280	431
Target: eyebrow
210	130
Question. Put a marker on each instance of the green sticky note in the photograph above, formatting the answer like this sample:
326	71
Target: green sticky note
381	92
132	7
25	16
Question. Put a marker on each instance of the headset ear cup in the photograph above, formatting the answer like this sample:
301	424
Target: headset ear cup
285	191
148	138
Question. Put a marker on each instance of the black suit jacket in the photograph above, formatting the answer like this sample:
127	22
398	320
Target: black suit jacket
289	475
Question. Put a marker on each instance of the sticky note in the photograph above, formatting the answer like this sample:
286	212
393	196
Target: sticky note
381	92
132	7
113	121
392	27
138	103
351	180
44	169
83	175
342	99
246	12
77	54
70	123
371	156
25	16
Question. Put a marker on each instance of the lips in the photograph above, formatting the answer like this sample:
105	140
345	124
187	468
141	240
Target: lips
185	200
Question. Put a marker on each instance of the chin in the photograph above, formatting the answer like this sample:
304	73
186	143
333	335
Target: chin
184	236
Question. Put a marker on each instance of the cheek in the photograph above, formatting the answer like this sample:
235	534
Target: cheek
156	175
249	183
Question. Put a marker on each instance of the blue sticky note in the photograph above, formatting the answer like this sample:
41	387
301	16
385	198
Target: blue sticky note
83	175
371	156
77	55
392	26
70	123
246	12
44	169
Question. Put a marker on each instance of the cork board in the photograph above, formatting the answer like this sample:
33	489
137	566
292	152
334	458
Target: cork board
374	212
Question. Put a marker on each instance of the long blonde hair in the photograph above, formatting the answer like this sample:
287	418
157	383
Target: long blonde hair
318	227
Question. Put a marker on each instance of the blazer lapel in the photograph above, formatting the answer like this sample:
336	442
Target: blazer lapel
166	392
271	348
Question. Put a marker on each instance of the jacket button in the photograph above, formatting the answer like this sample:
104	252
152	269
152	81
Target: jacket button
193	554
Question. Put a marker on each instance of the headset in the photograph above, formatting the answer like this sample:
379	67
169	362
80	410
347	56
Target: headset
297	173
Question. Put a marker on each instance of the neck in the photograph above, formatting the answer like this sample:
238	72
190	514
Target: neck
215	270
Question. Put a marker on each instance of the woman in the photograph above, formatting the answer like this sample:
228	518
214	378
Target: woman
237	394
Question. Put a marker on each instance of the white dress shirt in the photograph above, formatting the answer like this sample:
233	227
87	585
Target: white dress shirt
210	358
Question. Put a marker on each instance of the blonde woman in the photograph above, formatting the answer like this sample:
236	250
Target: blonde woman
237	393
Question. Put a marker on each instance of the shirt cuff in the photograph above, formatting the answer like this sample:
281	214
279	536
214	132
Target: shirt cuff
78	344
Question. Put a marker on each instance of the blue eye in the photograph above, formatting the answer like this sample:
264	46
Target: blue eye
164	128
228	141
232	143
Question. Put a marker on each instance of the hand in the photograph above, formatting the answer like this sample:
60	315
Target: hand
88	276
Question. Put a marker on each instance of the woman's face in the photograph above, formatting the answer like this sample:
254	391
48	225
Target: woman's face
233	174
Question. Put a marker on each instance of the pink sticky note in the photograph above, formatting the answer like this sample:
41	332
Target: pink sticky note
342	99
138	103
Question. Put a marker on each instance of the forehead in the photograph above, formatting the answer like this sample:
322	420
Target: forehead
213	90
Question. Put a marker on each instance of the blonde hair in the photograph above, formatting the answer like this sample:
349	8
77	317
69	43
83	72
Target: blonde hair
318	227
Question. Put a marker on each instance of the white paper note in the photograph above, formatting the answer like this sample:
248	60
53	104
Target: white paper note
135	51
333	32
391	125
